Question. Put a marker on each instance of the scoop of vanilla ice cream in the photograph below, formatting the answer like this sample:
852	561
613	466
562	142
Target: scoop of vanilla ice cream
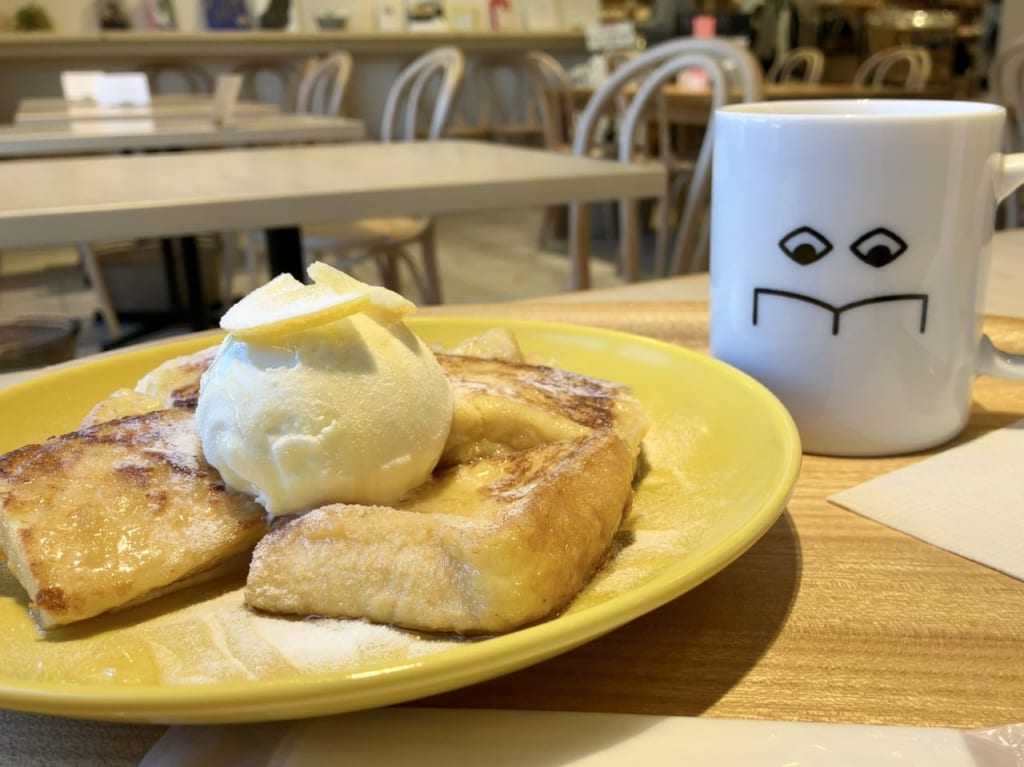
354	411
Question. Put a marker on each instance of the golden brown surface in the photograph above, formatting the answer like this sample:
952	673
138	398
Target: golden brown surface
111	514
830	617
174	384
483	548
505	406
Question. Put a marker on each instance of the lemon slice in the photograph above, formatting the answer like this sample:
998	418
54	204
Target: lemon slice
382	299
284	306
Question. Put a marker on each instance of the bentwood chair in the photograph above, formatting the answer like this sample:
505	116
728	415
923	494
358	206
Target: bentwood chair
426	89
552	88
803	65
195	78
273	81
729	68
551	82
324	84
499	102
314	86
1006	86
877	70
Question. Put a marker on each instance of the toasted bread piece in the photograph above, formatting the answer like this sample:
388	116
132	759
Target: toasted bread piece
502	407
121	404
498	343
176	382
115	513
172	384
483	548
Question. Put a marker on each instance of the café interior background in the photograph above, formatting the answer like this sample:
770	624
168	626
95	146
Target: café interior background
51	281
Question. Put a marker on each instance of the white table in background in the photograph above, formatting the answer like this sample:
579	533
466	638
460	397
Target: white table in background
172	106
55	201
85	199
104	136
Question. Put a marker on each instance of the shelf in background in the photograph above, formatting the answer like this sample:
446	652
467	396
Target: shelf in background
232	45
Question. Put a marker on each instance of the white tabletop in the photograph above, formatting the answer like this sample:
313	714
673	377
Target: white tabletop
54	201
97	136
173	106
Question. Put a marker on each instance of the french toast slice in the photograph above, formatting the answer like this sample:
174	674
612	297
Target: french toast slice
176	381
503	406
482	548
118	512
172	384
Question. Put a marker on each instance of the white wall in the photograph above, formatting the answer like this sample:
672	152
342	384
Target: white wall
1011	22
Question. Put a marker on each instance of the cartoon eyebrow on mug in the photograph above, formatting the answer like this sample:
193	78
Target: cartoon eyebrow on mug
878	247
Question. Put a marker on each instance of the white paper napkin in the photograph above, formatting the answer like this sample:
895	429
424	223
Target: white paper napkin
117	89
968	500
458	738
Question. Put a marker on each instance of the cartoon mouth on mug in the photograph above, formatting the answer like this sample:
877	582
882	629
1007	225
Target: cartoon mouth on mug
877	248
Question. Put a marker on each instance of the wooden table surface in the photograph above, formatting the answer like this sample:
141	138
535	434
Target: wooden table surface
828	618
40	112
108	136
156	195
689	107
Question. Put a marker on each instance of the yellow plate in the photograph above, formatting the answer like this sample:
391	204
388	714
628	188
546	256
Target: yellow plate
722	457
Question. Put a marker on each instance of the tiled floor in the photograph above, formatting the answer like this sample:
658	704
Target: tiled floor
485	257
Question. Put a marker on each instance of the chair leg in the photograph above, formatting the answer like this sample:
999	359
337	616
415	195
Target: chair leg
387	267
428	244
697	196
1012	211
547	228
99	285
661	236
249	249
228	264
629	239
579	246
672	198
700	258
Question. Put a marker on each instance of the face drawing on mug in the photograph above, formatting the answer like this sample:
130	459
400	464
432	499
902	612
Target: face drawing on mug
876	248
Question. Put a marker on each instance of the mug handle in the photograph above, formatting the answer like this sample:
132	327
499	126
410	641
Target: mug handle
993	361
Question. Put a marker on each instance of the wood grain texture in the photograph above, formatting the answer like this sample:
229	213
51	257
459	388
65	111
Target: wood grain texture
830	617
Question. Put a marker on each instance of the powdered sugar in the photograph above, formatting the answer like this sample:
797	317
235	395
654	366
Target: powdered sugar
222	640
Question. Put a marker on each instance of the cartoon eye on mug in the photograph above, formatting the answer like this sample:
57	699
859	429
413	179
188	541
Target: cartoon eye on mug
805	246
876	248
879	247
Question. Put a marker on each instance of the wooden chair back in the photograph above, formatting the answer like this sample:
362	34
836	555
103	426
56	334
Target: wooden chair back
805	65
876	71
553	87
731	70
429	86
323	86
195	78
500	101
283	78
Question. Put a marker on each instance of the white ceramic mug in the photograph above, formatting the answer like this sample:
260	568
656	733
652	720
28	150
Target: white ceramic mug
849	252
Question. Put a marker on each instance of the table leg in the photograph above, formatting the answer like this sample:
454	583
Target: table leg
284	251
198	316
192	309
171	275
